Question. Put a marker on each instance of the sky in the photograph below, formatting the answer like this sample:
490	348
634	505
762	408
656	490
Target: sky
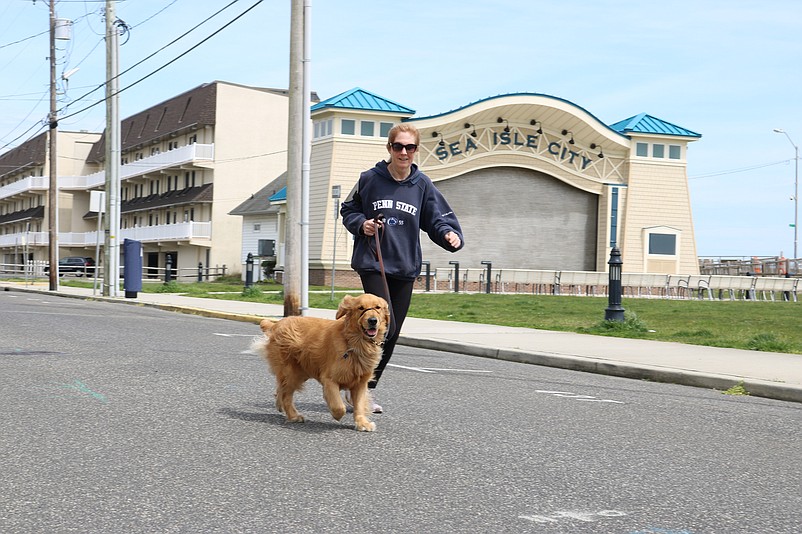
730	70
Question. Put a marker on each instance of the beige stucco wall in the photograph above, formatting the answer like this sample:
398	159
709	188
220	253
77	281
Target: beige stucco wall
657	195
338	160
250	138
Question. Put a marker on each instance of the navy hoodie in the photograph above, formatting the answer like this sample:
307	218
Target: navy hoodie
408	207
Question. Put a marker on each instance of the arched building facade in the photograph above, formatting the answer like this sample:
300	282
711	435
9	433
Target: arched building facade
536	181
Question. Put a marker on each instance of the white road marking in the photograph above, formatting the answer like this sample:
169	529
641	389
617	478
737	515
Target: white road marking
435	369
418	369
234	335
575	396
586	517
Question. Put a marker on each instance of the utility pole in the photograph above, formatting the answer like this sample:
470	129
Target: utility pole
111	273
292	256
306	154
52	200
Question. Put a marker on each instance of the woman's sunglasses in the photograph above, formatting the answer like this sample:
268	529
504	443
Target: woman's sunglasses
398	147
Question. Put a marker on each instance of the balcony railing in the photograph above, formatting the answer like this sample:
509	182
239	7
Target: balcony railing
164	232
31	183
172	158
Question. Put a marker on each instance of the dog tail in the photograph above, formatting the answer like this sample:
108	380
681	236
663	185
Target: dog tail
267	325
259	344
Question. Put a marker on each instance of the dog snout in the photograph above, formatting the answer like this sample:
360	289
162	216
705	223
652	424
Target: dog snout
373	322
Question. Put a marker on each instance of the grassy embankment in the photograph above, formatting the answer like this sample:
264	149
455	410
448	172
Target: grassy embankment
762	326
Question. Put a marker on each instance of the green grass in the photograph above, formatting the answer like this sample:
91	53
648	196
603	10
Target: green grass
759	326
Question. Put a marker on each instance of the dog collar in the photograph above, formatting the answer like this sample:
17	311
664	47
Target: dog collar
345	356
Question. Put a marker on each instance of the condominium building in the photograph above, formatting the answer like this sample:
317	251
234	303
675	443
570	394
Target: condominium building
185	163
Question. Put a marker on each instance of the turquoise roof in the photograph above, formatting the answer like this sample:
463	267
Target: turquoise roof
280	195
646	124
540	95
362	100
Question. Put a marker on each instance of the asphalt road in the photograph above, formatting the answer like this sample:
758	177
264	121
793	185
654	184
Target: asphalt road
127	419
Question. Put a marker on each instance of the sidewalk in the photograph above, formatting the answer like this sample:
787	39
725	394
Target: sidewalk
764	374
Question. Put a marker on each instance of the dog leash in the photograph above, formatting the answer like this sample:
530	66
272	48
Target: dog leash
380	219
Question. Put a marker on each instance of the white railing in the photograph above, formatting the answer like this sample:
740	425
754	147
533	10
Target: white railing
165	160
165	232
31	183
22	239
169	232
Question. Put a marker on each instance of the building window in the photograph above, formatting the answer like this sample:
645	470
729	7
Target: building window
674	152
323	128
664	244
658	151
367	128
192	139
257	227
642	150
348	127
384	128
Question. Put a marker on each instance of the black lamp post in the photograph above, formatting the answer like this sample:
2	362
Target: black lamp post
614	310
249	270
489	272
456	275
428	266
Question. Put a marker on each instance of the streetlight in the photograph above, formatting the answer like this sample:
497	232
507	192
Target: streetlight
796	189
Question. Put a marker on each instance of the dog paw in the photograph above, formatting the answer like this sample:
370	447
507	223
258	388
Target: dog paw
297	419
366	426
338	412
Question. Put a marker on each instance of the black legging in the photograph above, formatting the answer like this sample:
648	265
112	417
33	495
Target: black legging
400	297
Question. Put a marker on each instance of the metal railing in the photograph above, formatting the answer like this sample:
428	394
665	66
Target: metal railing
164	160
162	232
37	270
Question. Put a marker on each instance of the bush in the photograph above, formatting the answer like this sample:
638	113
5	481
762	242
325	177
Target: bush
170	287
252	292
631	326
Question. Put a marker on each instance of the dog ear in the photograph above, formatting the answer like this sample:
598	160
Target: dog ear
386	309
344	307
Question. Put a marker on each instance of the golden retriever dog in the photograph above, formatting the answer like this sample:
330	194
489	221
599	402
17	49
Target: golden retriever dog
341	354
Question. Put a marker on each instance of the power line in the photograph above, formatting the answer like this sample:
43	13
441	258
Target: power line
155	14
168	63
151	55
140	62
24	39
743	169
41	125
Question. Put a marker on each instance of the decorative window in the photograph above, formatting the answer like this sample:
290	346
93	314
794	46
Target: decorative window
257	227
348	127
658	151
367	128
664	244
384	128
674	152
642	150
322	128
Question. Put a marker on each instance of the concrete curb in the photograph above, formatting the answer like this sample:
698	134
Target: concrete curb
757	388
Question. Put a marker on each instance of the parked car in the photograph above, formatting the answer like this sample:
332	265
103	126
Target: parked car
76	265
